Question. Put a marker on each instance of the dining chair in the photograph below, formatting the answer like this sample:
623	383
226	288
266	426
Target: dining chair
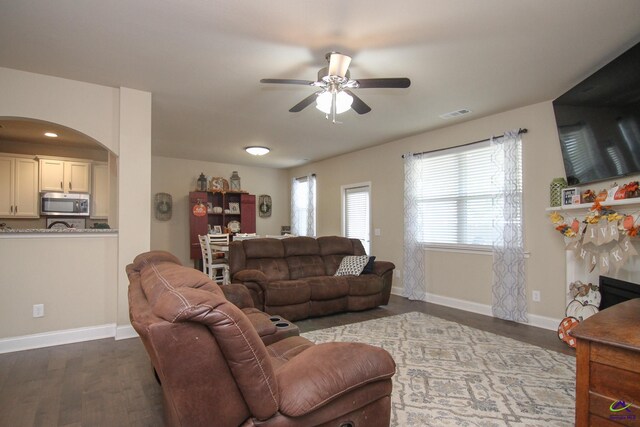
216	267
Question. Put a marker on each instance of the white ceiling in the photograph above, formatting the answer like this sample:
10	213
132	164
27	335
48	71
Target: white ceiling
203	59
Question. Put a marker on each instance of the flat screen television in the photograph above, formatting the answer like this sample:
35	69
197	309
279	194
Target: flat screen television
599	122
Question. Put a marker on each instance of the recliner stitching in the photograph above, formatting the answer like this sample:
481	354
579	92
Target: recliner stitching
370	380
264	375
171	289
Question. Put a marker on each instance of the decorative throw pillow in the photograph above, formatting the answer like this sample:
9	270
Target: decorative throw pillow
352	265
368	269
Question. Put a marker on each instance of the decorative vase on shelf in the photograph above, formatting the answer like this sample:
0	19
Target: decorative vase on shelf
555	191
234	181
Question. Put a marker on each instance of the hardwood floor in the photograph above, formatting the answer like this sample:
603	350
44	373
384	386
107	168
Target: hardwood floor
110	383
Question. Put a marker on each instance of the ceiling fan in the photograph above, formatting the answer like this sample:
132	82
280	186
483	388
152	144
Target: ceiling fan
335	83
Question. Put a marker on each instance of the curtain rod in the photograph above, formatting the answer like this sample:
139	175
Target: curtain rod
520	131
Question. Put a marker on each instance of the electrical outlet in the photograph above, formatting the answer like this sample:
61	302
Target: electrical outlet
535	296
38	310
376	231
397	273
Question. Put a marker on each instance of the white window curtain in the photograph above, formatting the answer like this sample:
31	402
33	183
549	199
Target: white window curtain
303	206
509	300
413	281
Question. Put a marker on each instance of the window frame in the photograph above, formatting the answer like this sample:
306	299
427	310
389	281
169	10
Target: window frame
485	249
343	193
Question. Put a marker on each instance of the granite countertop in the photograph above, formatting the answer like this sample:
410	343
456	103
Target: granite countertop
60	230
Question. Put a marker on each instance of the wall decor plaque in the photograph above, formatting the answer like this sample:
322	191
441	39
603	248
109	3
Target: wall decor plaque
264	206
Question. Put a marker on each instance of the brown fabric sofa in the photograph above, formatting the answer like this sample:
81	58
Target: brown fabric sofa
216	371
294	277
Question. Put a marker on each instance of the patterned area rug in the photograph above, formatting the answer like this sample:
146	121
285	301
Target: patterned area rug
453	375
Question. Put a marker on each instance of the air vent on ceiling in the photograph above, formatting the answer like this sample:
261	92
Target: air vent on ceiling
457	113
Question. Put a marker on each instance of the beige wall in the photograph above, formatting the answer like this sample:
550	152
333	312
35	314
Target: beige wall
457	275
120	120
74	277
178	176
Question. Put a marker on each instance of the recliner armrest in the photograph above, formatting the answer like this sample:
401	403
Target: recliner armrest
381	267
324	372
238	294
256	276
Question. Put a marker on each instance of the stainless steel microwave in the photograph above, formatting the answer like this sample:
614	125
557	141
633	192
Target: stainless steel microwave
64	204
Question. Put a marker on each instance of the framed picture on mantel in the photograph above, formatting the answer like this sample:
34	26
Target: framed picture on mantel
569	196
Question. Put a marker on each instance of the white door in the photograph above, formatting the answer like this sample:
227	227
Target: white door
356	216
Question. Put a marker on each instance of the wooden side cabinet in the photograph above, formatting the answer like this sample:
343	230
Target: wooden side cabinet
199	225
608	367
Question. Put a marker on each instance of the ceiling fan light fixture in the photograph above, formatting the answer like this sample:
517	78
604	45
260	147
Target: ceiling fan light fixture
257	151
343	102
338	64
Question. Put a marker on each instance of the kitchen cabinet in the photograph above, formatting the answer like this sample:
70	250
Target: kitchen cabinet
99	191
199	225
18	187
66	176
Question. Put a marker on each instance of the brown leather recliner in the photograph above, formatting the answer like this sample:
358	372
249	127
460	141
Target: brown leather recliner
216	371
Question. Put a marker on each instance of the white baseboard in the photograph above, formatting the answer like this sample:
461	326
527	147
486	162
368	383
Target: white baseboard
67	336
397	290
474	307
48	339
125	331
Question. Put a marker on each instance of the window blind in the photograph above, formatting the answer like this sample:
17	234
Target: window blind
356	214
457	196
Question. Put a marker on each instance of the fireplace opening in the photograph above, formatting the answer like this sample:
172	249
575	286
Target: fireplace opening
615	291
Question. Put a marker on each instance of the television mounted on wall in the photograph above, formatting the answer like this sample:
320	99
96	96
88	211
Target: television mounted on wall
599	122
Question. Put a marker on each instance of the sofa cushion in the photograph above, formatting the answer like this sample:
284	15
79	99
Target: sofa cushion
327	287
368	269
285	292
301	266
273	268
300	246
335	245
352	265
263	248
367	284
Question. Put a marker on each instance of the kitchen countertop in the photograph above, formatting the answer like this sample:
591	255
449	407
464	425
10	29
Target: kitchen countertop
58	231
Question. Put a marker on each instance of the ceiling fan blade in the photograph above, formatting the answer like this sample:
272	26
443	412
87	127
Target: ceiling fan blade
397	82
288	81
358	104
304	103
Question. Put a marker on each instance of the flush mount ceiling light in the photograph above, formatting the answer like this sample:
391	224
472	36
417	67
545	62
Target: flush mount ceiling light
257	151
51	134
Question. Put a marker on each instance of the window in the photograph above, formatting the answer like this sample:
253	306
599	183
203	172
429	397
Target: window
303	206
457	196
355	214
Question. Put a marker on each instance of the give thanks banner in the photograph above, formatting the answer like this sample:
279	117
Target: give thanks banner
601	239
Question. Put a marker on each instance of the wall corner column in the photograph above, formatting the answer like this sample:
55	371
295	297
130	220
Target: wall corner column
134	190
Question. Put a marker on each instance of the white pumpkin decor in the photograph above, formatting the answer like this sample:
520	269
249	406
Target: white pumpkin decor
586	300
581	311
